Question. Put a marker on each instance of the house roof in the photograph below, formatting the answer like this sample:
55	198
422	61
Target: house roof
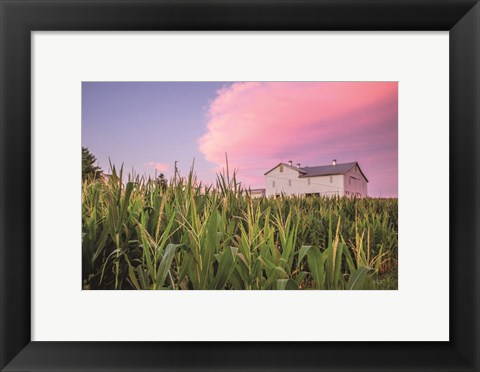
329	170
323	170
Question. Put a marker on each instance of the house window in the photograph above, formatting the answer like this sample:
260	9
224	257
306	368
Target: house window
309	181
273	184
281	168
331	179
289	182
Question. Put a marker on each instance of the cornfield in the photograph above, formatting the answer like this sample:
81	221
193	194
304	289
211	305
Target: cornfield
137	234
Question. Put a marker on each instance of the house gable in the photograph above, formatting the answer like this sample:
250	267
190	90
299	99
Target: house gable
280	165
358	170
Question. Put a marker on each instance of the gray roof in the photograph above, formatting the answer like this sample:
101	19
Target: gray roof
328	170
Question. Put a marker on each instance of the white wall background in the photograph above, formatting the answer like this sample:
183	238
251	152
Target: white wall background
357	185
62	311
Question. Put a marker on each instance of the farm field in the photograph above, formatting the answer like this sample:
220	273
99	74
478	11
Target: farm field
142	234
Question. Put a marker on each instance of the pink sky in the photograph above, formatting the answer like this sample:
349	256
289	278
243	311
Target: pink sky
261	124
161	167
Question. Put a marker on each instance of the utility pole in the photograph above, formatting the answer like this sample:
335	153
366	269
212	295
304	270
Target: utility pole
175	172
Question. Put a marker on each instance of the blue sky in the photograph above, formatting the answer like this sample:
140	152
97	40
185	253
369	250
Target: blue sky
147	124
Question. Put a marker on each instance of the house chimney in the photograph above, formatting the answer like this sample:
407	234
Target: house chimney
298	165
290	162
334	162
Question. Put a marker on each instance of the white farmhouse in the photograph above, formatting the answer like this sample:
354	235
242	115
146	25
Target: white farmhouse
329	180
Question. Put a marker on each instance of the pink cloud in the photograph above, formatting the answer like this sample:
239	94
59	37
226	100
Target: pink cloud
260	124
161	167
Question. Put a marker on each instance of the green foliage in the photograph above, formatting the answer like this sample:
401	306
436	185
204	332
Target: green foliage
161	182
89	169
148	235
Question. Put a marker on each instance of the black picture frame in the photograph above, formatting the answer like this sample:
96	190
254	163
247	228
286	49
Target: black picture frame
20	17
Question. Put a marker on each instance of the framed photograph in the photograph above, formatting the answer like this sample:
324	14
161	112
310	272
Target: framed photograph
240	216
262	185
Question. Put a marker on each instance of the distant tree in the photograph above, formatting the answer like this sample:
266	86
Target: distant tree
161	181
89	167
